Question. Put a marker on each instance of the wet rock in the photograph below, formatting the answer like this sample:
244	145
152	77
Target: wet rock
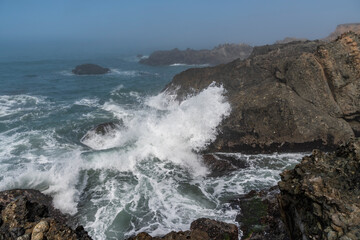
219	165
285	97
200	229
259	216
320	197
90	69
26	213
221	54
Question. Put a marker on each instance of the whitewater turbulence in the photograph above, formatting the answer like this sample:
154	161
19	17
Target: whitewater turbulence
137	171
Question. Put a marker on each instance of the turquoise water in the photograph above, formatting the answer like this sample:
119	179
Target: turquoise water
146	174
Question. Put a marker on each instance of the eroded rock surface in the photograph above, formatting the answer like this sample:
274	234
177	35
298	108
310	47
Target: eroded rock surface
285	97
200	229
320	197
28	214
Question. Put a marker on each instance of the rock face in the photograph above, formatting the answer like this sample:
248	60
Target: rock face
200	229
320	197
28	214
259	216
90	69
293	97
342	28
221	54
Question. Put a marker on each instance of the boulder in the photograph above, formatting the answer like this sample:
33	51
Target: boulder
90	69
200	229
221	54
28	214
285	97
320	197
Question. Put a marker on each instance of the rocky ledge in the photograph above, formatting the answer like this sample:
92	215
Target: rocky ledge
320	198
200	229
221	54
285	97
90	69
29	214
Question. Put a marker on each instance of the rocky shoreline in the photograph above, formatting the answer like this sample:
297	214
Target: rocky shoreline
318	199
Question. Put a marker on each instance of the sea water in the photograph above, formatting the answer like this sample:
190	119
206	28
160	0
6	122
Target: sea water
145	175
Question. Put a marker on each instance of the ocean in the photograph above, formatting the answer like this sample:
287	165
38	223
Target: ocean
145	175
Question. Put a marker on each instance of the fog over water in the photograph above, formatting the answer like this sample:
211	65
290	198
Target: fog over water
65	28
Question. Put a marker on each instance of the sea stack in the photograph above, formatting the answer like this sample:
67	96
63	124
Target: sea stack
90	69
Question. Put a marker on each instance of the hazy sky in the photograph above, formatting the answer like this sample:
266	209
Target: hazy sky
146	25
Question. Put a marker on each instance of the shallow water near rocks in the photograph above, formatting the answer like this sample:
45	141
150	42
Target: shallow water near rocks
145	175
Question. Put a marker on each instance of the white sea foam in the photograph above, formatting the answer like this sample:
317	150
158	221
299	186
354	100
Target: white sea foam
89	102
129	73
143	176
11	104
191	65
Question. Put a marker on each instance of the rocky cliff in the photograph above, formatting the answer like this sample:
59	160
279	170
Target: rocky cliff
285	97
221	54
320	197
342	28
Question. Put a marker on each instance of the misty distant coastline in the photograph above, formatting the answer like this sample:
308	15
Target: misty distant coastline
222	53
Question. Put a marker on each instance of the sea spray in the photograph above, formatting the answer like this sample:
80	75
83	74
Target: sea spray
148	177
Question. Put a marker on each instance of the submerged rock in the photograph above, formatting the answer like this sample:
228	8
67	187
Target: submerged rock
221	54
101	136
28	214
200	229
220	165
285	97
320	197
90	69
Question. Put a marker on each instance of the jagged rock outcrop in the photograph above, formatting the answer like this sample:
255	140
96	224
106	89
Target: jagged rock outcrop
259	215
200	229
320	197
290	39
29	214
285	97
343	28
90	69
221	54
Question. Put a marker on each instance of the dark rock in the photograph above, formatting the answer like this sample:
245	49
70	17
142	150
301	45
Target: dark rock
200	229
220	165
90	69
104	128
285	97
221	54
259	215
320	197
290	39
29	212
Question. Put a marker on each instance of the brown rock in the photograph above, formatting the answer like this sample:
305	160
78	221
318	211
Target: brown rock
285	97
29	212
200	229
